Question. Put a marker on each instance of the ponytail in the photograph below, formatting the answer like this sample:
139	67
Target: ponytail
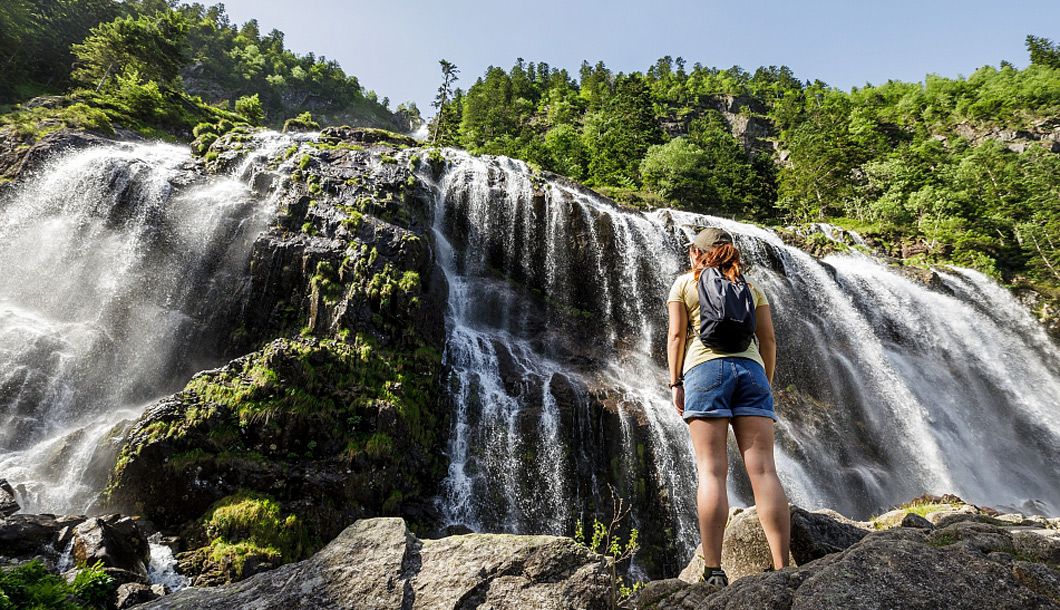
723	256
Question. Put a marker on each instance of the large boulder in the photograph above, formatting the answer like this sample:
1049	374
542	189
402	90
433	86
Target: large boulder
115	542
378	563
745	550
963	565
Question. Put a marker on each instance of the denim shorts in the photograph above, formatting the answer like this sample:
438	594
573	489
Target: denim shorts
728	387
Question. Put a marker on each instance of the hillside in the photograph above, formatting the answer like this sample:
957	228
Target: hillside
951	170
160	70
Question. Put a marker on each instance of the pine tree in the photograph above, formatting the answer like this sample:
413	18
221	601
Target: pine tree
449	76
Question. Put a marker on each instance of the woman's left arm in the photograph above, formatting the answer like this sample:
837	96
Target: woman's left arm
767	341
675	350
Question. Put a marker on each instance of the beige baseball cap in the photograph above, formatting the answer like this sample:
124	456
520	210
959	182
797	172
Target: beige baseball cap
710	237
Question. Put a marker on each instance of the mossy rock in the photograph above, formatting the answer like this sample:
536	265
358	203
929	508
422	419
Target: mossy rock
306	434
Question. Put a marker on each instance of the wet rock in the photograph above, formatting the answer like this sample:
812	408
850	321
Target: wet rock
8	503
131	594
915	520
364	136
117	543
18	158
377	563
26	535
352	454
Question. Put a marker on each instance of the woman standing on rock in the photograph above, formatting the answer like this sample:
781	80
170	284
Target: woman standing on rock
713	388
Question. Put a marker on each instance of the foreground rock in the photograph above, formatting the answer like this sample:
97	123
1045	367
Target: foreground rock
962	565
745	551
377	563
117	543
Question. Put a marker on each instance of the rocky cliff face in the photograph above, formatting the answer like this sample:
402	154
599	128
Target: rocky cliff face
335	420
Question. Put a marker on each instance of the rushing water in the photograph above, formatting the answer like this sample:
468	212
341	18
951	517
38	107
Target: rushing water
888	389
121	273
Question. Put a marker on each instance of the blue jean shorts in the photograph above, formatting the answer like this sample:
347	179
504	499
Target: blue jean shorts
728	387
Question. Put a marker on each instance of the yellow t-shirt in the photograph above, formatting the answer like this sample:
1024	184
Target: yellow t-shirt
686	290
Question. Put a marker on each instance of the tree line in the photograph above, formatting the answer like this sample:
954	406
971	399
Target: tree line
956	170
153	59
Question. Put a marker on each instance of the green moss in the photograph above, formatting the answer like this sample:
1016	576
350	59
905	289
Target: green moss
392	503
304	161
942	538
287	154
335	145
181	461
235	555
326	283
436	161
387	159
39	122
378	445
353	220
302	122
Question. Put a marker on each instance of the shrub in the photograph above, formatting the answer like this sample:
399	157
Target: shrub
250	107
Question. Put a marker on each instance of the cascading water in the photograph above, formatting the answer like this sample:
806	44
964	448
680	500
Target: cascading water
120	275
887	389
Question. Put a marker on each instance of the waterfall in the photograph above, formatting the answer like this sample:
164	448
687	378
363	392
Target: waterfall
887	388
121	274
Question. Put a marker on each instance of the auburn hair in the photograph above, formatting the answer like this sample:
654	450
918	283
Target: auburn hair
723	256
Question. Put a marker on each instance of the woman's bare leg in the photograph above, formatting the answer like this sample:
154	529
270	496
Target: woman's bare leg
754	435
708	439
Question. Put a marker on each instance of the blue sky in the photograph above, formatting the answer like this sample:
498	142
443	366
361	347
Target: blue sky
393	46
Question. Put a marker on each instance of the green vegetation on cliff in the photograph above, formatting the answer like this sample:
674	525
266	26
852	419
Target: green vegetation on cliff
158	67
963	170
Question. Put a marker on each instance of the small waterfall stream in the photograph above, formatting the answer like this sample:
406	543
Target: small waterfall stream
887	389
122	273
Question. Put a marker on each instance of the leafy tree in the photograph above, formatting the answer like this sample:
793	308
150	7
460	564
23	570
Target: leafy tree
152	46
566	153
820	175
678	171
35	39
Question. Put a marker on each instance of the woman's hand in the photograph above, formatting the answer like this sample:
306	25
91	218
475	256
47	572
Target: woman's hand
679	399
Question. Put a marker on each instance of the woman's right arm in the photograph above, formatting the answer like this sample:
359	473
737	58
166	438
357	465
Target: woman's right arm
675	350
